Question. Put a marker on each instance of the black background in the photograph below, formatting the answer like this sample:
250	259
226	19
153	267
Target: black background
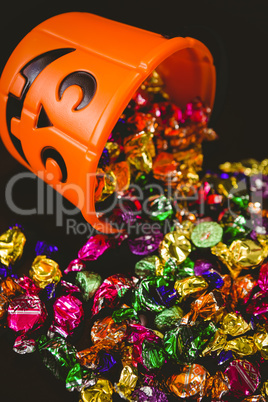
236	32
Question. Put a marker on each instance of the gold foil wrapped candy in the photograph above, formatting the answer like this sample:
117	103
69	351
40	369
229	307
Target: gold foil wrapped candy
102	391
241	254
11	245
261	342
45	271
174	245
189	286
234	325
216	344
248	167
127	358
105	184
153	83
185	228
264	390
113	150
127	382
140	150
242	346
248	253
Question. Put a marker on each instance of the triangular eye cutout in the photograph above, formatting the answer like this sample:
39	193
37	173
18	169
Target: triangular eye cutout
43	119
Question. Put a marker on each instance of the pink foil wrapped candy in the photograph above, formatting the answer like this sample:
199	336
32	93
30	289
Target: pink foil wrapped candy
68	313
244	378
25	313
28	285
75	266
136	337
263	277
95	247
23	345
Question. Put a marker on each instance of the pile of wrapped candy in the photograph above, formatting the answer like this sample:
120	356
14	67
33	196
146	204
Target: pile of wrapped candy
191	321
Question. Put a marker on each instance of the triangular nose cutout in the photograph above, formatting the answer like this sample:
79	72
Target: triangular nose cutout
43	119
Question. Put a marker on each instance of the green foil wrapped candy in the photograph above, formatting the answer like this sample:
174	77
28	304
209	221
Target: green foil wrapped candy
79	377
185	269
153	355
185	343
168	318
88	282
123	314
59	357
159	208
147	266
145	297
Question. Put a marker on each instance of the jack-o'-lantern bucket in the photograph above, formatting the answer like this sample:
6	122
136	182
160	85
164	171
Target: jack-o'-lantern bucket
68	81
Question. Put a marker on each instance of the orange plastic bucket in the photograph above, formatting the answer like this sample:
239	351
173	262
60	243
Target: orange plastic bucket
68	81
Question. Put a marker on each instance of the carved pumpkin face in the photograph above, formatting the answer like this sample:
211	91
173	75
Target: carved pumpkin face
44	107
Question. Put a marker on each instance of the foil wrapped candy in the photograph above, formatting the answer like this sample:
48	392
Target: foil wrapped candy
11	245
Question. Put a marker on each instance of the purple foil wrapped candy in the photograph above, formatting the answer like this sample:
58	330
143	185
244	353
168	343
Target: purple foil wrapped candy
213	278
148	394
201	266
260	225
259	183
125	213
5	271
106	362
44	248
68	313
147	243
50	291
